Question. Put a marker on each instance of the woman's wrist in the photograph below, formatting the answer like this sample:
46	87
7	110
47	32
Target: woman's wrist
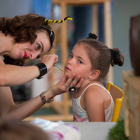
55	90
46	99
50	93
42	69
47	96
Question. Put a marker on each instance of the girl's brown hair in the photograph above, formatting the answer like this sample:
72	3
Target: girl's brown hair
22	29
100	55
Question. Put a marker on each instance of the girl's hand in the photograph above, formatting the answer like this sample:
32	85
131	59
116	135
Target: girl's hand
49	61
66	82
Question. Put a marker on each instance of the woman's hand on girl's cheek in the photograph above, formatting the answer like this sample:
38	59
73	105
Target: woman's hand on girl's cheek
63	85
66	82
77	81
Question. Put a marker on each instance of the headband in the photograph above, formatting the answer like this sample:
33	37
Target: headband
57	21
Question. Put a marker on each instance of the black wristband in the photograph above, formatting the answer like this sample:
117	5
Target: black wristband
42	68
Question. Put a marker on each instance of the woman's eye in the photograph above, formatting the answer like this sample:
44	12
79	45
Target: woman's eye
80	61
38	46
70	56
38	56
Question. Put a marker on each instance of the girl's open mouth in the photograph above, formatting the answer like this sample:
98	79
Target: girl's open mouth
67	69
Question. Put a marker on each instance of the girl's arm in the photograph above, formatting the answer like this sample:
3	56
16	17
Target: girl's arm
16	75
94	104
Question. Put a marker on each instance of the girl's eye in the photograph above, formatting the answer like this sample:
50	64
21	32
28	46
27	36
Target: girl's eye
80	62
38	46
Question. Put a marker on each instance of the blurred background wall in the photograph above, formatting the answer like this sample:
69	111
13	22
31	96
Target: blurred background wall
123	10
10	8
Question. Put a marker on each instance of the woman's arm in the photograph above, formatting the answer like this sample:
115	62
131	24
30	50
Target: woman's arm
8	110
16	75
94	105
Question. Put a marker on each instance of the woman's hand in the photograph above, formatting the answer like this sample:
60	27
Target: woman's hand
66	82
49	61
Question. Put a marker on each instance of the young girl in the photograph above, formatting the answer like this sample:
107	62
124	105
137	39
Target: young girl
91	60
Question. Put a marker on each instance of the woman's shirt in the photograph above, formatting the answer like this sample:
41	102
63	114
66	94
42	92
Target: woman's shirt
80	115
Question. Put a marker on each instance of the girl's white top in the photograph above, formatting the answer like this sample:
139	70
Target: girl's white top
80	115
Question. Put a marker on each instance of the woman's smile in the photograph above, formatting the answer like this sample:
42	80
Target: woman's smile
25	55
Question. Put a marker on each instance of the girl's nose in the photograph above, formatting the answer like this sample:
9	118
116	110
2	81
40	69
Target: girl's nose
33	55
70	61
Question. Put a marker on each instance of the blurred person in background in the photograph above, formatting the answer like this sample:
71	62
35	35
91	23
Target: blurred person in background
21	131
21	38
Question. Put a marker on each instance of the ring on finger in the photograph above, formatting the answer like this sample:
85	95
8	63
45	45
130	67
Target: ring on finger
72	88
66	86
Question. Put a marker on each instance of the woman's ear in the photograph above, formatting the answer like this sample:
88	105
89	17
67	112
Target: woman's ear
94	75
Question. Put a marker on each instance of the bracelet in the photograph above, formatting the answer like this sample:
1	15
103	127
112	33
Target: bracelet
43	98
42	68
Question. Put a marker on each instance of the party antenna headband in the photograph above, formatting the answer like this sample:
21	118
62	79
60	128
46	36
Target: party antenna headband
57	21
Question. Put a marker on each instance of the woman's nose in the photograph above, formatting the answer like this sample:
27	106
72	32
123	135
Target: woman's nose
33	55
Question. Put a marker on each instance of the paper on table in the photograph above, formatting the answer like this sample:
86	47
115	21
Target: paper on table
58	130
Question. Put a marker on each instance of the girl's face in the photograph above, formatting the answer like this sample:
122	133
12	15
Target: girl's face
27	50
78	62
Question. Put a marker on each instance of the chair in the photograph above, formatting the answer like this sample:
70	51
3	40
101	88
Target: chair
117	95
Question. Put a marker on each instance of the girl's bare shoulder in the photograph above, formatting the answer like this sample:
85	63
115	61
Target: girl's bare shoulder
96	89
94	92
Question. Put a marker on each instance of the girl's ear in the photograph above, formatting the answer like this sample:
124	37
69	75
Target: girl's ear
94	75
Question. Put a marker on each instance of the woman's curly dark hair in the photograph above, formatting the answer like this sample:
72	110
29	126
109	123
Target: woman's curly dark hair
22	29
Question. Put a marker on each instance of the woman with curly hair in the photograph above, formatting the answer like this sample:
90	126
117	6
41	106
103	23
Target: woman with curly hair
27	37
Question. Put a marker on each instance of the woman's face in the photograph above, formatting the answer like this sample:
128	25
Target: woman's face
27	50
78	62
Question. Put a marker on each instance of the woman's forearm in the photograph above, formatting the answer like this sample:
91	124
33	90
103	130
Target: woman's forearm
15	75
8	110
20	112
